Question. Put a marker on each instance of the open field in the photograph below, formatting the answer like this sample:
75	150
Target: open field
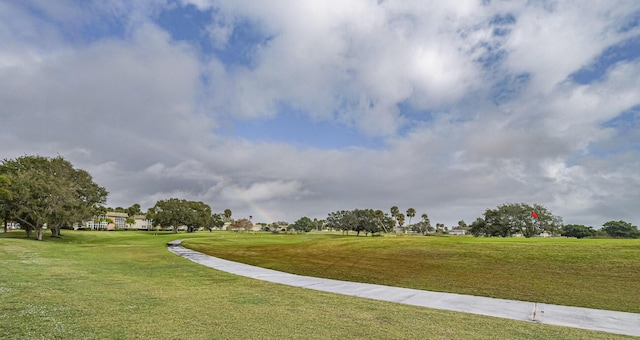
119	285
593	273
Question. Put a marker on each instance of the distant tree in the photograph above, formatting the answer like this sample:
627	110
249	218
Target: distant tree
462	225
411	213
227	214
439	228
340	220
478	227
400	219
394	214
216	221
303	224
621	229
242	224
509	219
318	224
130	221
5	197
133	210
577	231
385	222
427	224
175	213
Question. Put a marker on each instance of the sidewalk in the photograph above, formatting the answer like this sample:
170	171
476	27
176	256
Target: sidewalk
585	318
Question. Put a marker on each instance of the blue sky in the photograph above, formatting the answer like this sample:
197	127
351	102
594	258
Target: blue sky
286	109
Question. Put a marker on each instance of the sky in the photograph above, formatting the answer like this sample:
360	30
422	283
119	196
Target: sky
282	109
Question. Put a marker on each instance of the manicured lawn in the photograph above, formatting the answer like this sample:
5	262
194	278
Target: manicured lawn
596	273
126	285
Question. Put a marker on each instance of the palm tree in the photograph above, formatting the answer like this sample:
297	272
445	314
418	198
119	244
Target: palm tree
379	214
400	220
411	213
394	213
427	223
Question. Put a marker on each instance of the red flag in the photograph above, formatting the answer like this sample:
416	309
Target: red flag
534	215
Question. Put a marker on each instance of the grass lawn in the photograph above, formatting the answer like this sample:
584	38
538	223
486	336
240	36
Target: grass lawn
126	285
598	273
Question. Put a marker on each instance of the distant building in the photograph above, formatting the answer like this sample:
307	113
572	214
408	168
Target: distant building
114	220
458	232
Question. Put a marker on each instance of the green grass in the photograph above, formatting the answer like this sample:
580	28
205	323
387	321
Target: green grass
126	285
598	273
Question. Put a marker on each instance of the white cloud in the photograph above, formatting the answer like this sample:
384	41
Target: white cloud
134	111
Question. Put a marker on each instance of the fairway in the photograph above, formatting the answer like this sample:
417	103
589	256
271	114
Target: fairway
593	273
126	285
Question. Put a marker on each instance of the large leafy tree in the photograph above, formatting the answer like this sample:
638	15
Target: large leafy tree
176	212
49	191
216	221
512	218
577	231
621	229
303	224
367	221
5	196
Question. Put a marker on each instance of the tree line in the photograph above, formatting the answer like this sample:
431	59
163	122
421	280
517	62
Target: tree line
39	192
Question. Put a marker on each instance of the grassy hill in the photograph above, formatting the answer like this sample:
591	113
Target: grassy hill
126	285
594	273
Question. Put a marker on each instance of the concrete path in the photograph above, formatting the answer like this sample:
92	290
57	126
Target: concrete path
585	318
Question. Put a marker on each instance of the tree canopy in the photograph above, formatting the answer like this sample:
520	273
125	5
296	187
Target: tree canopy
577	231
621	229
176	213
303	224
360	220
516	218
48	192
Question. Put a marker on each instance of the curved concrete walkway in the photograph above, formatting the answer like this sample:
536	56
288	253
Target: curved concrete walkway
585	318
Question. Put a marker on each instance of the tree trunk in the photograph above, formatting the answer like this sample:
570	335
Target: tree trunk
5	224
27	230
55	232
39	233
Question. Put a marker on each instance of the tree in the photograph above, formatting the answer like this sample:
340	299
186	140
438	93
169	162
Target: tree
227	214
49	192
427	224
199	215
216	221
621	229
130	221
400	219
509	219
462	225
5	196
411	213
478	227
577	231
175	213
242	224
394	213
133	210
303	224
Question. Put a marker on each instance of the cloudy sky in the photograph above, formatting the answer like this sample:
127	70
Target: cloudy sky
283	109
